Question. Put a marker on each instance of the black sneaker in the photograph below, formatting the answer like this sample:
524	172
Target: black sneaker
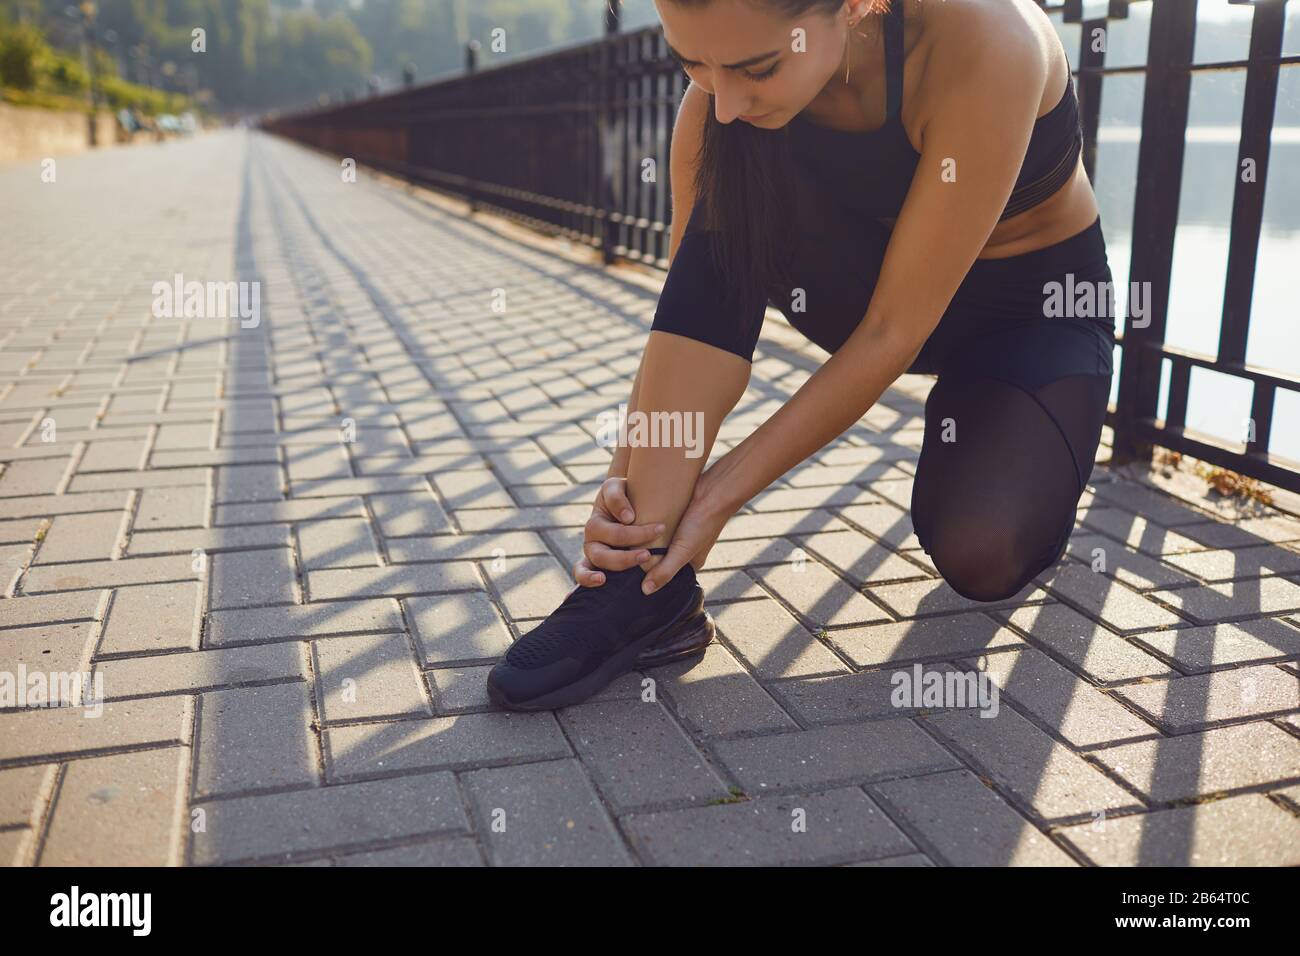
598	634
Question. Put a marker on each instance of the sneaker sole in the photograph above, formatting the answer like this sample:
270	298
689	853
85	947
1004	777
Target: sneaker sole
625	661
695	637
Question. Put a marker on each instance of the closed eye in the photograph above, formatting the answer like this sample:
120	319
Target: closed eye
757	77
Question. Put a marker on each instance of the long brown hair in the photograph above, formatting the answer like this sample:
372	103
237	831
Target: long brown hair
744	180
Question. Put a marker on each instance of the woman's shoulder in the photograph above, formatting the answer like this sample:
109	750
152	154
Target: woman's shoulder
956	35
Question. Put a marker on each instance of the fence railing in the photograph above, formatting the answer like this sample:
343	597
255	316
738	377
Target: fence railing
561	142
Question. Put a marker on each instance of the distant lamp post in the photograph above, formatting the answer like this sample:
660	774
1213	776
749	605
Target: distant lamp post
85	15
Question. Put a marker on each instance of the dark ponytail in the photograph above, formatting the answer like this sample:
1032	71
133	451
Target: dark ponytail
745	179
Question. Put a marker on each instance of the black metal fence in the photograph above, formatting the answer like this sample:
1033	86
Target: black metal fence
575	142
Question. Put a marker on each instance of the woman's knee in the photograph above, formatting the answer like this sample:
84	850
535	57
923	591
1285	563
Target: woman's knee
986	564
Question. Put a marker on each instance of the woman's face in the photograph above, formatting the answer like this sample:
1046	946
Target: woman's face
761	69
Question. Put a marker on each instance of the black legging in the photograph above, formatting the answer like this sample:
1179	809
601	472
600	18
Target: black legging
1011	425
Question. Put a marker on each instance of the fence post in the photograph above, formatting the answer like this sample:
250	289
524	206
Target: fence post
1155	220
604	135
471	64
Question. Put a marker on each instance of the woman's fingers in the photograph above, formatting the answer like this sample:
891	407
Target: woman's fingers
599	556
613	494
586	575
600	530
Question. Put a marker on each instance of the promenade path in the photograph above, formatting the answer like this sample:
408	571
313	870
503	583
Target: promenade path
292	546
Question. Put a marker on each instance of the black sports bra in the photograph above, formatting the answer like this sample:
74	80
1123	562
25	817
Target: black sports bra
840	156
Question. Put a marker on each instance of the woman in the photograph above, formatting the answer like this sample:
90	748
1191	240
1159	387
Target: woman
906	187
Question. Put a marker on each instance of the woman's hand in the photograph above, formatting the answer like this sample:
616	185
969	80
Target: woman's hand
694	538
611	524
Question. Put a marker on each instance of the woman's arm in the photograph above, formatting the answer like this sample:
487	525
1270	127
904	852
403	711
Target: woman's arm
973	147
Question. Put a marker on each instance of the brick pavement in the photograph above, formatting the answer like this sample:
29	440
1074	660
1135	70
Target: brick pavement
292	549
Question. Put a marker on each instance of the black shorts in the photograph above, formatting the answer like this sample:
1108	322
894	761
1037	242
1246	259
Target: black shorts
997	322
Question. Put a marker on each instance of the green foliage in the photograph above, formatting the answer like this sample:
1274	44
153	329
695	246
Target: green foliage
286	53
21	49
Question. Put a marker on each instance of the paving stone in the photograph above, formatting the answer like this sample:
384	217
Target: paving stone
831	756
477	488
726	587
460	688
1109	602
961	822
248	578
164	508
1139	571
39	477
70	731
529	587
81	575
210	540
1139	532
1027	765
479	547
1214	646
714	695
454	851
842	698
462	742
282	826
885	523
325	619
925	639
112	456
22	531
367	676
44	505
183	436
457	628
819	597
1086	646
277	512
860	558
336	544
638	756
248	483
806	828
542	814
254	738
1234	600
23	793
165	478
916	599
1229	758
1241	564
907	859
128	808
1191	703
772	643
55	650
1079	713
78	537
399	581
399	515
1239	831
201	670
152	618
54	608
